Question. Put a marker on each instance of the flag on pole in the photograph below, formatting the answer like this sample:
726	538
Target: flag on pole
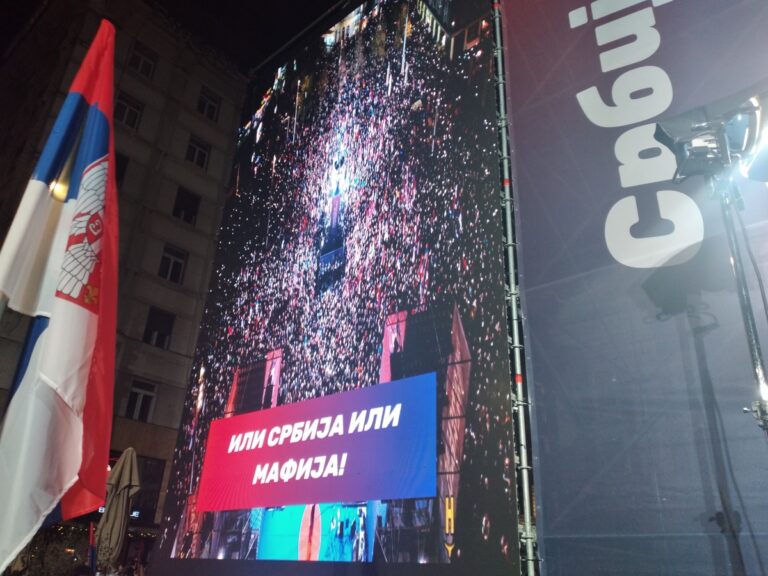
59	265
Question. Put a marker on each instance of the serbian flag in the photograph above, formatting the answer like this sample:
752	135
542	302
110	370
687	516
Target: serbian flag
59	265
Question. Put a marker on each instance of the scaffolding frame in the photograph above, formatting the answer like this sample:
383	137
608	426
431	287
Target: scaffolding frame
521	405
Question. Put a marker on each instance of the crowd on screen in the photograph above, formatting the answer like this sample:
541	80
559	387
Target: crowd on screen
398	156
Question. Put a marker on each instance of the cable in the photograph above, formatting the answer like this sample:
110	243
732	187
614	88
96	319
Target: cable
292	42
759	277
755	265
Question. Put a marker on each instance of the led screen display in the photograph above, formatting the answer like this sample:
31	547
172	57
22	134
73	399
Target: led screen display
349	406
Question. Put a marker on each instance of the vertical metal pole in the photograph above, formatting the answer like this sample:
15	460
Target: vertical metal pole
521	405
727	195
745	302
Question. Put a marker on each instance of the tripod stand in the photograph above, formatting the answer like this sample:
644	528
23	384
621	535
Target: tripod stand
708	152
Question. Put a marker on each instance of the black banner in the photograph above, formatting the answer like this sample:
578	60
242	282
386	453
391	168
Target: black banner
645	461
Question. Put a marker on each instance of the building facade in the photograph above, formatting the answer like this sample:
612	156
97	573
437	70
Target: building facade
454	25
177	106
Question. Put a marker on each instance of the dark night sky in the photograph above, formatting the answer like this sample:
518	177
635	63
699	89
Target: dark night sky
249	31
246	31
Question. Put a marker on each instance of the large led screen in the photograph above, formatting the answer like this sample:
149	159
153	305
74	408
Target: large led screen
349	405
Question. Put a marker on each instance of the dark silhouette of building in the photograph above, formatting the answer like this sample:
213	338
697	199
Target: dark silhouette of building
177	106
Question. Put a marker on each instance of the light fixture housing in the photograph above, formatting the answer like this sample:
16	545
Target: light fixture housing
737	137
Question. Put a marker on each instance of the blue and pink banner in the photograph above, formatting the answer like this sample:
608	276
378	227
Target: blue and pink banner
375	443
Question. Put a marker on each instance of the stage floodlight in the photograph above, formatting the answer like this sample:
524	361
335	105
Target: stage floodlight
698	153
707	148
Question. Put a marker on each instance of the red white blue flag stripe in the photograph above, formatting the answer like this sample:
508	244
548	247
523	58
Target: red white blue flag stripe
59	265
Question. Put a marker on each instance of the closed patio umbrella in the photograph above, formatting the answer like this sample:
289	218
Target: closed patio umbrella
123	483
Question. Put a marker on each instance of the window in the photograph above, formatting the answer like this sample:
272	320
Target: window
186	206
128	110
159	327
143	60
121	165
172	264
145	502
472	37
208	104
198	152
141	400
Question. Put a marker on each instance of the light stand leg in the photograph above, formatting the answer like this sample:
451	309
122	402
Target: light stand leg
728	194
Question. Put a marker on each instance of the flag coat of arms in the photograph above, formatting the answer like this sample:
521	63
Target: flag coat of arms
58	264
